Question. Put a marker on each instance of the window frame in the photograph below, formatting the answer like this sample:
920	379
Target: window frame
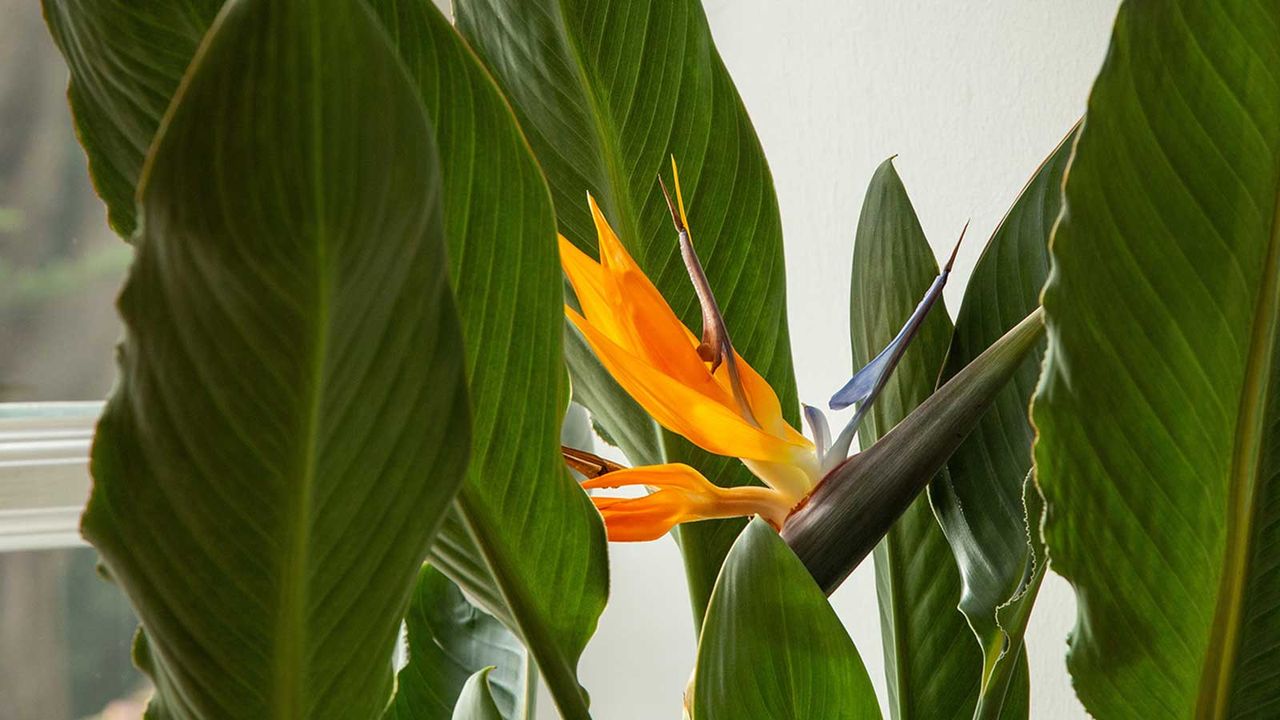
44	473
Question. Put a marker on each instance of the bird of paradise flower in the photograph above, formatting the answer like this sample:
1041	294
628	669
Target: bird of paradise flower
702	389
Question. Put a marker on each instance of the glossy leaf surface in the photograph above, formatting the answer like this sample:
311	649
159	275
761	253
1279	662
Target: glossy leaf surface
932	668
771	646
1157	413
607	92
291	399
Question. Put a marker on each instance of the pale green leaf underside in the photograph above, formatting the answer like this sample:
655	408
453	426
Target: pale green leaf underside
290	422
932	666
607	92
979	500
771	645
1006	681
449	641
477	701
1157	410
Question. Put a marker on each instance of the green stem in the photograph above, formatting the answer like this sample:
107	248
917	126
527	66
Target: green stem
997	680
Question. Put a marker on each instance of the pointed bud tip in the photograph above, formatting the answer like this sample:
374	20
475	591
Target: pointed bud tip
956	250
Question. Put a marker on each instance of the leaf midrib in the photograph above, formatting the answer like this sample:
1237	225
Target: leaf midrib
1244	485
291	643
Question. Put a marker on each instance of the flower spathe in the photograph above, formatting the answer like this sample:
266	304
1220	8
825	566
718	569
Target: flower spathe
725	408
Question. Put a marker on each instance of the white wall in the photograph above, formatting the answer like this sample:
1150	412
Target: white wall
971	96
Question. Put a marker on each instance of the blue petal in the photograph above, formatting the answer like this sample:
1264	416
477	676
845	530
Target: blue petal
867	383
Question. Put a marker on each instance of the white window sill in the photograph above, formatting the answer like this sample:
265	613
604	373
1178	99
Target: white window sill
44	473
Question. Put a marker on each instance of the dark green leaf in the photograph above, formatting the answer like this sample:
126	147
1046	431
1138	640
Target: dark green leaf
502	250
524	539
607	92
125	61
450	640
771	645
290	423
1159	409
978	498
933	670
477	702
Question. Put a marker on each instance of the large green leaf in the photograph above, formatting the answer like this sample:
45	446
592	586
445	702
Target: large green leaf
1158	417
450	640
543	542
290	423
932	669
607	92
978	498
524	540
771	646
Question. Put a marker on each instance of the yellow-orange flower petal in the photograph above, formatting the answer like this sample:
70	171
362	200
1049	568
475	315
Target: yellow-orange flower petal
702	413
625	305
681	495
595	290
654	357
764	402
621	305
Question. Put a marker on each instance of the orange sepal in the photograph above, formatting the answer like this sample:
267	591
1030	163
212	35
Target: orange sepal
681	494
